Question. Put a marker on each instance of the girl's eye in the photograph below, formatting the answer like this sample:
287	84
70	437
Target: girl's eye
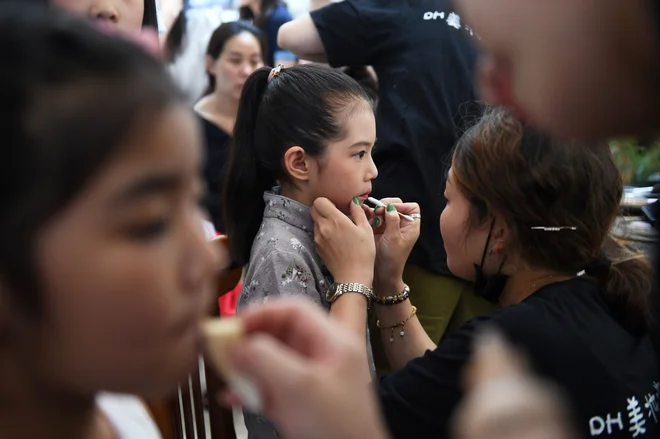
235	61
360	155
149	231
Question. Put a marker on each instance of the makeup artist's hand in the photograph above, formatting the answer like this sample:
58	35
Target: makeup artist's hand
395	240
306	368
346	247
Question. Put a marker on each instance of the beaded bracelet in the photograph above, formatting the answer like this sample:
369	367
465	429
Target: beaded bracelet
393	300
402	323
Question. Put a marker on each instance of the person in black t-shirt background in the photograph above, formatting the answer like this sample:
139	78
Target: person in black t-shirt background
423	58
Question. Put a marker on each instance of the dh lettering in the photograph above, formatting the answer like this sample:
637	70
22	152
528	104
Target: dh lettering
434	15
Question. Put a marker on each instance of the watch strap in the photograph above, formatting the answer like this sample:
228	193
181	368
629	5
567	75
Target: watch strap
352	287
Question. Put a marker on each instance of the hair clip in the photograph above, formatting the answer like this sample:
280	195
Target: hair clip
275	72
553	229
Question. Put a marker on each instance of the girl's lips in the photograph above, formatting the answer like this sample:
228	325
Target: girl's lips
365	195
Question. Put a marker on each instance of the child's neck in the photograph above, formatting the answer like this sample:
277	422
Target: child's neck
295	194
30	409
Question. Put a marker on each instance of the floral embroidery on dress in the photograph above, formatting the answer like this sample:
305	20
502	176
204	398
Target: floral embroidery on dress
294	273
297	245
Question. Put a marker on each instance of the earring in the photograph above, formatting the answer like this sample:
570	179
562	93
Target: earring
490	251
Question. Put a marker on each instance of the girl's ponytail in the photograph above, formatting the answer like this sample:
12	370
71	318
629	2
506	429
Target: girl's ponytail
247	178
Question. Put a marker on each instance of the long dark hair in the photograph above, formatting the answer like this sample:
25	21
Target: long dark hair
305	106
224	33
55	70
506	167
150	17
268	8
175	36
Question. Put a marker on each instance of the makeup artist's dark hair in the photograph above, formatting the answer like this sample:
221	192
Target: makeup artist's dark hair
150	17
224	33
505	167
304	106
55	70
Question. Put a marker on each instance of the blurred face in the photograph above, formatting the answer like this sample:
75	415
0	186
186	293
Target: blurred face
464	244
123	15
347	167
239	58
126	271
570	66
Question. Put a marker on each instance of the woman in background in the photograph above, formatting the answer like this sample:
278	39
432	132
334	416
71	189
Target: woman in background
235	51
269	15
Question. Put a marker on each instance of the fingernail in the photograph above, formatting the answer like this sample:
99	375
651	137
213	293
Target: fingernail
355	200
391	208
376	222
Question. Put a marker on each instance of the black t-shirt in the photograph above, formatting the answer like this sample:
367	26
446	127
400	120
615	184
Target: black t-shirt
568	333
216	152
424	59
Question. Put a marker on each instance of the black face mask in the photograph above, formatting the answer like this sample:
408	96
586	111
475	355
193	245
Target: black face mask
489	287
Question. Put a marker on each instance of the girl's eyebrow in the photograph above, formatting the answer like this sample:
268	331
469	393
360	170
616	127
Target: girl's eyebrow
148	185
361	144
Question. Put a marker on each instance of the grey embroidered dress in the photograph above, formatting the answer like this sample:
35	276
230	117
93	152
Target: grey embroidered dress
283	262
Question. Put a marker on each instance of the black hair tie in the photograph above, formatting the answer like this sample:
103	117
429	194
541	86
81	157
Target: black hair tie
599	267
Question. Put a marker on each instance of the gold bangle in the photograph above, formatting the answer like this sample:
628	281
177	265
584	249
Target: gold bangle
402	323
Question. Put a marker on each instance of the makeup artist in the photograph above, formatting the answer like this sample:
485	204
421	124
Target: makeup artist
525	216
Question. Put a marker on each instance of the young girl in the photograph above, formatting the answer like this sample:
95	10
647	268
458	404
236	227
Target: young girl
104	269
301	133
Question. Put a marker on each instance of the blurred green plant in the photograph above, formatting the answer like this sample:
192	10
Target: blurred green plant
638	164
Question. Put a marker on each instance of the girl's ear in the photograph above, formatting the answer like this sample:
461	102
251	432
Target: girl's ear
209	62
296	163
496	84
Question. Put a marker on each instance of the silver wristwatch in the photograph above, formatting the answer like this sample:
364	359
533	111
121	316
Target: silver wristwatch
337	289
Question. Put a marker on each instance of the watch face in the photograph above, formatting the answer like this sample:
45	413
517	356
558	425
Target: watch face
331	293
